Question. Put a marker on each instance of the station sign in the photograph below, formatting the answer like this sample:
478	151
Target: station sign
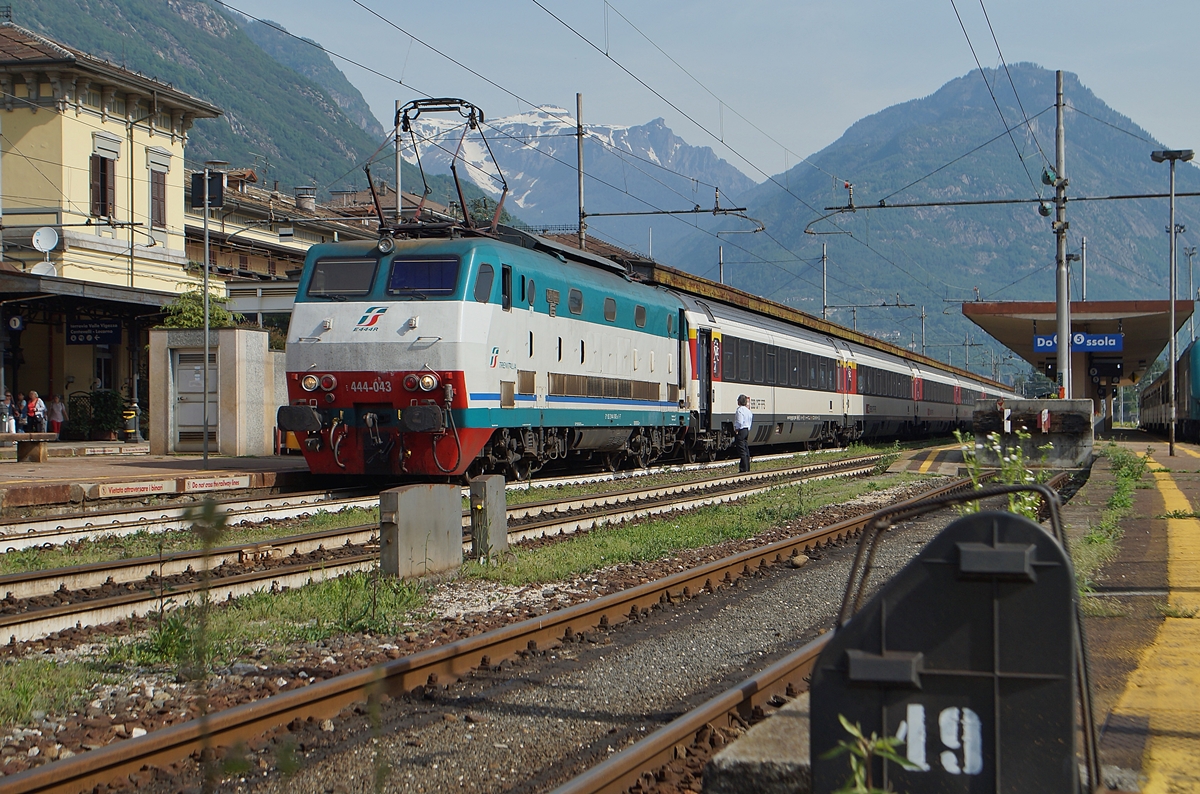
93	332
1080	343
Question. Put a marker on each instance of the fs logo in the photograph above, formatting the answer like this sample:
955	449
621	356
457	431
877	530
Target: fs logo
495	358
370	319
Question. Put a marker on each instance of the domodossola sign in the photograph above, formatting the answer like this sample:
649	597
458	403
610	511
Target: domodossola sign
1080	343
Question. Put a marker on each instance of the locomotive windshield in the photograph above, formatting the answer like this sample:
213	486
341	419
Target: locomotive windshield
342	278
423	276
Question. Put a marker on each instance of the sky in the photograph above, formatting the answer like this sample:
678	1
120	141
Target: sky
763	82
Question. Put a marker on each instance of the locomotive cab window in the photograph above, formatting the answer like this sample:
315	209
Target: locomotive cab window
423	276
610	310
342	278
483	283
575	301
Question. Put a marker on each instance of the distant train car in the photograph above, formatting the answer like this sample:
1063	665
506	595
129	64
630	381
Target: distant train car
1155	400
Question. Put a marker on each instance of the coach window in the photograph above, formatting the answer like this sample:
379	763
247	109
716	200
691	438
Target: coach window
794	374
744	355
483	283
506	287
760	351
772	357
575	301
610	310
729	352
639	316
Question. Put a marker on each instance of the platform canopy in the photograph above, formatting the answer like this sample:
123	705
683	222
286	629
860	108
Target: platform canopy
1142	324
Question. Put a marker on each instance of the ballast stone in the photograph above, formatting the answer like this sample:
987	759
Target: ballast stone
773	757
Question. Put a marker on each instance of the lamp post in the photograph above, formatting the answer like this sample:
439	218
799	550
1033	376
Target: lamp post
208	166
1171	156
1189	252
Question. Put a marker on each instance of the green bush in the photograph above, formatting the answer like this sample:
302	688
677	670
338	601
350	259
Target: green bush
108	407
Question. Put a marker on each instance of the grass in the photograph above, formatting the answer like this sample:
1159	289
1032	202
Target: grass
29	685
356	603
151	544
1175	611
659	538
1100	544
1102	608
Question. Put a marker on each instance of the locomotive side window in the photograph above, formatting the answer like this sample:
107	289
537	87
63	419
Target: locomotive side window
342	277
522	293
639	317
610	310
506	288
670	325
483	283
575	301
423	275
532	294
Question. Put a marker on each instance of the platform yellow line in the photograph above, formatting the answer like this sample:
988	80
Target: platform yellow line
1191	452
927	464
1164	688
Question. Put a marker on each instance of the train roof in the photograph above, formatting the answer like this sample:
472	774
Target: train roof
661	275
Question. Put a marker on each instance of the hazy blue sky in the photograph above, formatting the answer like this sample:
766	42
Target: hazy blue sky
802	71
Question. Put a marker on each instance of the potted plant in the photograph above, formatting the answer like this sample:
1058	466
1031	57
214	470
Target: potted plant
107	418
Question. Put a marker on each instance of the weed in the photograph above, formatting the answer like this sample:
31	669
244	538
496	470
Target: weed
1102	608
863	750
1013	470
1099	544
1179	514
288	759
29	685
1175	610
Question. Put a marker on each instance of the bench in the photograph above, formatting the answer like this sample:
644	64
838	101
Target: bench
31	447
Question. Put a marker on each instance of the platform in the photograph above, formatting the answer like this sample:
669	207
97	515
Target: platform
83	449
946	460
112	477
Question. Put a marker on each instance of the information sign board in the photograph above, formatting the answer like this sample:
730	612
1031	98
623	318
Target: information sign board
93	332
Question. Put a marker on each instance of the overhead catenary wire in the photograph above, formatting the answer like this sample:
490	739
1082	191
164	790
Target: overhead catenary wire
1016	93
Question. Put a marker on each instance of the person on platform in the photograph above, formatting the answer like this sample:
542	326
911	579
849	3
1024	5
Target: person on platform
56	414
19	406
35	410
8	416
742	420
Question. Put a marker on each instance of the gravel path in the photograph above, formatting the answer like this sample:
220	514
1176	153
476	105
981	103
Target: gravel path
532	726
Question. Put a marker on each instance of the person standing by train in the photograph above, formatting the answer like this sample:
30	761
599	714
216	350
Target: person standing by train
742	420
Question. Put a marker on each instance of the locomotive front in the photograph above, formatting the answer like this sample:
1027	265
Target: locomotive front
374	357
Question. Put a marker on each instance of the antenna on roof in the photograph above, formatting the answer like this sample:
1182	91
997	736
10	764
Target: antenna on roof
6	13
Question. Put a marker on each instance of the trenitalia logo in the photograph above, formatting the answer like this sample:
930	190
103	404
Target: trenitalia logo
370	319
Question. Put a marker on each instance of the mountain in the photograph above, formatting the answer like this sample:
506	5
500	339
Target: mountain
937	149
315	64
277	120
537	154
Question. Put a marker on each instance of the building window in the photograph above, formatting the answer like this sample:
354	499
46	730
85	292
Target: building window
104	186
158	199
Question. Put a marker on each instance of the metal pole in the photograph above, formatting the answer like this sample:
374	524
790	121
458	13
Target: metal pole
1062	291
1083	267
1190	251
1172	289
204	401
824	284
721	264
854	312
579	147
399	163
922	330
650	252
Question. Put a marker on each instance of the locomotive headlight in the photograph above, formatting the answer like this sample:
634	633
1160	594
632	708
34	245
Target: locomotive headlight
328	382
411	382
386	245
428	382
309	383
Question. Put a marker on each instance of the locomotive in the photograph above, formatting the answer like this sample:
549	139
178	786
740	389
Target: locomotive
502	351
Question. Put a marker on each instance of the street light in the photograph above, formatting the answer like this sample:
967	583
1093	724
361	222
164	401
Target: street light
1171	156
208	166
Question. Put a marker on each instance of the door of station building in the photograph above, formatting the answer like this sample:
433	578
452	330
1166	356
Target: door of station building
188	365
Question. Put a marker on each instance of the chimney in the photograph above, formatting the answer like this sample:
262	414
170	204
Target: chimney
306	198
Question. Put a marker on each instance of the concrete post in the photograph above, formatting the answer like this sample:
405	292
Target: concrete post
420	529
489	516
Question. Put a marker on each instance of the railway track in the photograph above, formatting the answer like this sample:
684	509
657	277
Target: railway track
58	530
296	561
326	698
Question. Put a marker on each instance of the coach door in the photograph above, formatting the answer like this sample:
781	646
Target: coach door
704	373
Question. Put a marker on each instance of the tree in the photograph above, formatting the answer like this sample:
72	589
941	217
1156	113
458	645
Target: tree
187	311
